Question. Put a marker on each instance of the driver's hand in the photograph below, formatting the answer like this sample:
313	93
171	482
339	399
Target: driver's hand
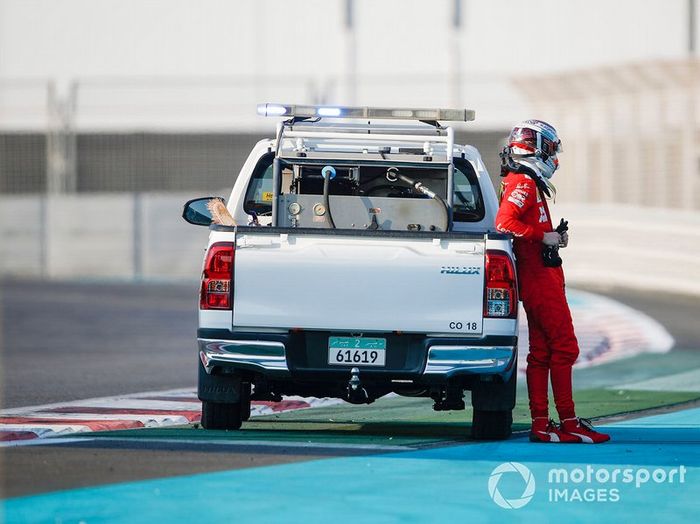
564	239
552	238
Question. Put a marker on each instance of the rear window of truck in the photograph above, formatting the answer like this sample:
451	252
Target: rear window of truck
258	196
468	203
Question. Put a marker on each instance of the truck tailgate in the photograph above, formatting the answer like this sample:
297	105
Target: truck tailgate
359	283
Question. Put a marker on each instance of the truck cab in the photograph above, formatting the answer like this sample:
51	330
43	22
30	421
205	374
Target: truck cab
364	261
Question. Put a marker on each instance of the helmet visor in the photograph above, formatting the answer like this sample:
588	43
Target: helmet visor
550	147
524	138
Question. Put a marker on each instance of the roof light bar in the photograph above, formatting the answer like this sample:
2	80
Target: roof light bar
382	113
329	111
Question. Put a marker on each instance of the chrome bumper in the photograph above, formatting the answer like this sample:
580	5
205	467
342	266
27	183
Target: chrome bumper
262	355
448	360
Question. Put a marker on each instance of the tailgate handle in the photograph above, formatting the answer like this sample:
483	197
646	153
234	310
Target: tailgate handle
474	249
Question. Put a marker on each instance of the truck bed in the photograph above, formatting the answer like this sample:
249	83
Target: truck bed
359	281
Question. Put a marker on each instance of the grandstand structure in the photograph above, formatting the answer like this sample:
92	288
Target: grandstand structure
630	132
135	134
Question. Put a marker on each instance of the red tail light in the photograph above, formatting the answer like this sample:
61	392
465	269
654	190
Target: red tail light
501	294
216	277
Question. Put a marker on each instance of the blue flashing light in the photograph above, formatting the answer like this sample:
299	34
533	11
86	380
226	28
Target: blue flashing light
328	111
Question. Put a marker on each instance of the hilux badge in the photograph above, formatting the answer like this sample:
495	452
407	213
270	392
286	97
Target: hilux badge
460	270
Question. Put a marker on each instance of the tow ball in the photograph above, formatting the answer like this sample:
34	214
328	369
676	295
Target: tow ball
449	398
356	394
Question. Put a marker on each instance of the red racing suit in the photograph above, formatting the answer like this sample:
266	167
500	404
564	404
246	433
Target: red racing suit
524	213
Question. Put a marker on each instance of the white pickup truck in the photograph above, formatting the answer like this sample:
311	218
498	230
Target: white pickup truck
365	262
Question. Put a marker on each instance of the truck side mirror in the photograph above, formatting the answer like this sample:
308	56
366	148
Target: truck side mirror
196	212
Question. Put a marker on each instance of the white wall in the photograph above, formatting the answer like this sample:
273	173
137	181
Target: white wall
94	237
80	38
642	248
22	229
399	43
89	236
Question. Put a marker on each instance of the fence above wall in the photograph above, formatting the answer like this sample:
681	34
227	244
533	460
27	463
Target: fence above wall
132	133
630	131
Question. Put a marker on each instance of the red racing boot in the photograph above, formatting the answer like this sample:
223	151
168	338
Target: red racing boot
582	429
545	430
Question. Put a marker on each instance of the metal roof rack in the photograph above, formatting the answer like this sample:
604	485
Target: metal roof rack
302	128
300	138
366	112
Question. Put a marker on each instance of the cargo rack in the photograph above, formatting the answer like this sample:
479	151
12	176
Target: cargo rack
305	137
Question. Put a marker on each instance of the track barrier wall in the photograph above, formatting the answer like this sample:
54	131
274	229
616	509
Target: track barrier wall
126	236
636	247
132	236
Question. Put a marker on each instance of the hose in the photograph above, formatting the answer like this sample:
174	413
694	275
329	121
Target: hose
326	199
422	189
447	212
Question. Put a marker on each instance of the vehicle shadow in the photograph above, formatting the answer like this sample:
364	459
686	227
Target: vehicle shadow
458	430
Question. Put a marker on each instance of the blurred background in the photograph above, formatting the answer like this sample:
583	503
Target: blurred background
113	113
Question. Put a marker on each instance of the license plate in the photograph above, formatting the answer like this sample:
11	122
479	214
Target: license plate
356	351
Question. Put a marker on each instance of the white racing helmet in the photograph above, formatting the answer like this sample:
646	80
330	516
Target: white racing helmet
536	142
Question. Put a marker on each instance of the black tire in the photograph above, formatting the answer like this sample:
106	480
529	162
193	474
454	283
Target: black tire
495	395
219	415
245	401
492	425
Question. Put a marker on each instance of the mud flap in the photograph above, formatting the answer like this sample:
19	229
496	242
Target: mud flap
218	388
495	395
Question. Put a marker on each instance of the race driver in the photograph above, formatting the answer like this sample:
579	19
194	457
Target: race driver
529	161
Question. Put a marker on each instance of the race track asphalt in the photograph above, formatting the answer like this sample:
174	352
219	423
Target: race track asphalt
647	473
69	341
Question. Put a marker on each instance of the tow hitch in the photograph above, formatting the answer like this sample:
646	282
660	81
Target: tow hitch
356	394
449	398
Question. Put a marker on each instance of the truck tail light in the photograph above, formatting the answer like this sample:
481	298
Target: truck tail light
501	289
215	292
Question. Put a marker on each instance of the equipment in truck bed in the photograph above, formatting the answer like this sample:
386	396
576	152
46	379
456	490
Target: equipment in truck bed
403	175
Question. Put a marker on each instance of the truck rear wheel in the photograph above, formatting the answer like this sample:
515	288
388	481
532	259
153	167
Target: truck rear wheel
492	425
245	401
221	415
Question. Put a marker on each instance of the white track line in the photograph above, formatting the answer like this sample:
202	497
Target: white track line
152	419
134	403
257	443
185	392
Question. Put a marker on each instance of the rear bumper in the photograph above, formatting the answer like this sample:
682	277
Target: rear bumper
302	356
254	355
449	360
